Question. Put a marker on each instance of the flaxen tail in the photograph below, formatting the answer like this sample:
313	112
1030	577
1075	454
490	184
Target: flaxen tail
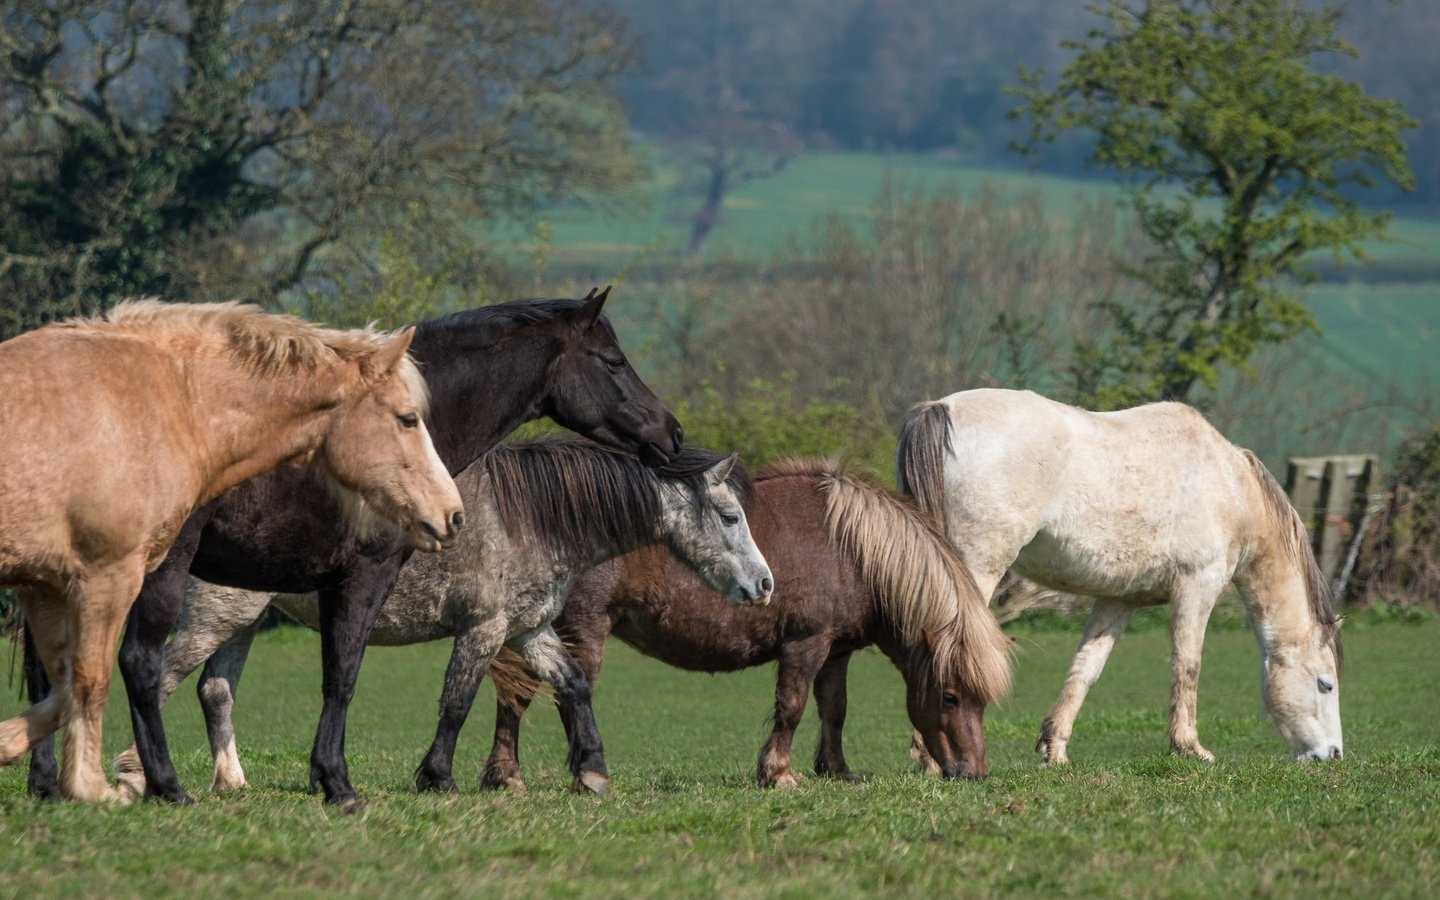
920	459
515	684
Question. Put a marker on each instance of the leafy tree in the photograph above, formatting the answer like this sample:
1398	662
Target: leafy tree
211	148
1241	162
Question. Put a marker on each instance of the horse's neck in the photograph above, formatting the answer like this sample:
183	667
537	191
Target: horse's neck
1272	587
480	394
255	423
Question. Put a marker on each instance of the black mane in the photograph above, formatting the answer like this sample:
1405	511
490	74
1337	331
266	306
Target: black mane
565	488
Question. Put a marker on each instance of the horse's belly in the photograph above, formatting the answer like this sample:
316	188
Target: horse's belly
1122	570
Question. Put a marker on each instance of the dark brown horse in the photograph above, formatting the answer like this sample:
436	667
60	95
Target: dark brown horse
488	371
854	565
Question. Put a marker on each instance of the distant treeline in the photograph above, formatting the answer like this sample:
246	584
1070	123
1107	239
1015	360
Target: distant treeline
931	75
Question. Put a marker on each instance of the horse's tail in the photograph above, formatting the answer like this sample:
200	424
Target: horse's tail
1295	540
920	458
513	679
921	582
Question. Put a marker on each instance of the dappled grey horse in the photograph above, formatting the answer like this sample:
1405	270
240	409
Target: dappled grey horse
540	515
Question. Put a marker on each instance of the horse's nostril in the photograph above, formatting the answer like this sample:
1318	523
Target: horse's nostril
1336	754
457	519
679	438
766	585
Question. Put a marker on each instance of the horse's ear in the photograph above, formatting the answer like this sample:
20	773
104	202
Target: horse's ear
384	360
721	470
589	313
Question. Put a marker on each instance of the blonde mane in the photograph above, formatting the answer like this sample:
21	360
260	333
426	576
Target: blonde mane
920	579
265	343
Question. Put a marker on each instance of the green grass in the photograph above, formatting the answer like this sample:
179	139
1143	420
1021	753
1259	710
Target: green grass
683	817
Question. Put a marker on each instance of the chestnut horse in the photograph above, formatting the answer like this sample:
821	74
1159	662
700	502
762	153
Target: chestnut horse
489	370
854	565
542	513
117	428
1135	508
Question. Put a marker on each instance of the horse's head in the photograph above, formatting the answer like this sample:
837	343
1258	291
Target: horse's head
592	390
1301	686
378	448
949	717
704	525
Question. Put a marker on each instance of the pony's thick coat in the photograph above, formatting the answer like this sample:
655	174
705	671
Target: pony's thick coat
855	565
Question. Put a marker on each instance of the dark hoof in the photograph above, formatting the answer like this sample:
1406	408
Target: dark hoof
591	783
846	776
49	792
426	783
502	780
177	797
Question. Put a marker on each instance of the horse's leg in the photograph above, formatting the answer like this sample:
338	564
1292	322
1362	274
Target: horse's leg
141	662
217	698
208	618
1108	619
474	648
44	776
800	661
49	624
98	615
502	769
831	701
1190	610
346	617
549	660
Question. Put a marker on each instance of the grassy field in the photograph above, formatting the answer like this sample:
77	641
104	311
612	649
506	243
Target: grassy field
683	817
761	215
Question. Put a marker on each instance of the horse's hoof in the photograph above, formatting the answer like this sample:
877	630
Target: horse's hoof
49	793
1053	756
786	779
1195	752
591	782
175	797
426	783
226	786
347	806
496	780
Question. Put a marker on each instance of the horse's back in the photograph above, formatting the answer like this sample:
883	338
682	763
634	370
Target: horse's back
1113	503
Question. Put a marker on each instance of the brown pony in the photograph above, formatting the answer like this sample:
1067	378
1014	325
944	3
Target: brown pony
854	565
117	428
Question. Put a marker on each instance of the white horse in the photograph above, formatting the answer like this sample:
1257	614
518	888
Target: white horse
544	513
1133	508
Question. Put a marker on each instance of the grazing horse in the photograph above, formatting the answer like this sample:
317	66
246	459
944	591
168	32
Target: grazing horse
489	370
542	514
117	428
1134	508
854	565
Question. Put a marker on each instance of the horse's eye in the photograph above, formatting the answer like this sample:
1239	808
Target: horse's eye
950	700
1325	685
730	519
615	365
409	420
